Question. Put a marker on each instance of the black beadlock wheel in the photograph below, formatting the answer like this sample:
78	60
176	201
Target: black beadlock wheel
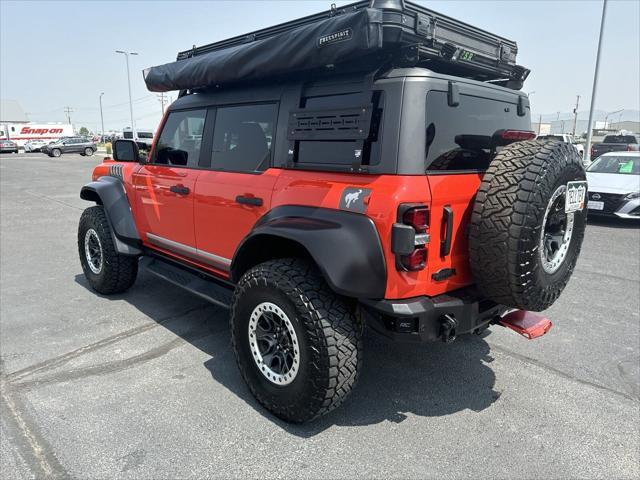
106	270
297	344
523	246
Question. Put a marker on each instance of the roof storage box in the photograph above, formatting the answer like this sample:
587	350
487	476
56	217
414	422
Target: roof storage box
368	34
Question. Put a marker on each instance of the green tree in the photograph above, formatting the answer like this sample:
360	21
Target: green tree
83	131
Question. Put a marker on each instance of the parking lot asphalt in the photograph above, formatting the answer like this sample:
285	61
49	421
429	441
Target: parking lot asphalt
144	384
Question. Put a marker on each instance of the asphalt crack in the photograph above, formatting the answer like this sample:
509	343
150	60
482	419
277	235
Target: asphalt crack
560	373
23	430
65	358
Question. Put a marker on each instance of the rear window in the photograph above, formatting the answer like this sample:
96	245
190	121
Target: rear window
127	134
626	139
459	138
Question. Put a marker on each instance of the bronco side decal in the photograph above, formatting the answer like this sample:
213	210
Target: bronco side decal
354	198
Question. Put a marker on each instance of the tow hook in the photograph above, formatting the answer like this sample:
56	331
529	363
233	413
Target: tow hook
448	328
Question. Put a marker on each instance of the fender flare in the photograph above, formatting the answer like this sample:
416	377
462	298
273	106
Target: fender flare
111	194
345	246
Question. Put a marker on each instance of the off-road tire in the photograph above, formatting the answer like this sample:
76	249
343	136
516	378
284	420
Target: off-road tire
506	224
329	336
118	271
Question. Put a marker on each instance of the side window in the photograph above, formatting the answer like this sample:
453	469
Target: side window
181	138
243	137
342	153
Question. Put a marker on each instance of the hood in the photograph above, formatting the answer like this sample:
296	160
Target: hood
613	182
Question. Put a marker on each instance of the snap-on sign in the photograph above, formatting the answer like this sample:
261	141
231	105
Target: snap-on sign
39	131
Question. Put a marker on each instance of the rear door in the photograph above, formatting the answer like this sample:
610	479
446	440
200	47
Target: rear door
458	153
165	186
235	190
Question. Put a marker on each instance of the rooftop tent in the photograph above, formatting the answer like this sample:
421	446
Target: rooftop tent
367	33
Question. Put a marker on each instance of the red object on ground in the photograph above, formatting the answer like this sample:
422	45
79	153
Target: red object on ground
528	324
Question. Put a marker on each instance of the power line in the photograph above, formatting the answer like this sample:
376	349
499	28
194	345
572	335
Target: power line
68	111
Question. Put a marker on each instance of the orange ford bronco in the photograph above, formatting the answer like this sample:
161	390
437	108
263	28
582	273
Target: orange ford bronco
372	165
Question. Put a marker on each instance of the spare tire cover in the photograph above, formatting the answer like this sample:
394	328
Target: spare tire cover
523	245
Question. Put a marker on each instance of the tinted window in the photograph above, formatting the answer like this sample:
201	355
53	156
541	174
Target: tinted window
243	138
342	152
181	137
459	138
128	135
620	139
145	135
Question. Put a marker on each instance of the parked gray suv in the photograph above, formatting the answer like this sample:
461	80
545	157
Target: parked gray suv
80	145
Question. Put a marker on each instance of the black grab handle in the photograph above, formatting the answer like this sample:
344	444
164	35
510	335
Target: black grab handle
179	189
445	244
253	201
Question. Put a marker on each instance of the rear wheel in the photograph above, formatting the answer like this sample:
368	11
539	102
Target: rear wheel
523	245
106	270
298	345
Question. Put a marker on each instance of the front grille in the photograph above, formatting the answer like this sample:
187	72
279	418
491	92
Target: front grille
612	201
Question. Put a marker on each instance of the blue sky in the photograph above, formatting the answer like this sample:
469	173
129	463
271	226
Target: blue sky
57	54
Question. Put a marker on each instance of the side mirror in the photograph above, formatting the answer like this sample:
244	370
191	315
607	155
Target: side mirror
125	151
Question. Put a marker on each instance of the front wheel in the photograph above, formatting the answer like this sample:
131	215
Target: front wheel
106	270
88	152
297	344
56	152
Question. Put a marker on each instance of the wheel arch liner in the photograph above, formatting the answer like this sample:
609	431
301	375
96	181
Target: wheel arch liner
111	194
345	246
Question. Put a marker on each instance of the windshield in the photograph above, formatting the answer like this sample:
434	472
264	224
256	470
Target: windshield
619	139
612	164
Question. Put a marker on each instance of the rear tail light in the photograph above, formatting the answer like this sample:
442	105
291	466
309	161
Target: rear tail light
517	135
415	261
410	237
418	218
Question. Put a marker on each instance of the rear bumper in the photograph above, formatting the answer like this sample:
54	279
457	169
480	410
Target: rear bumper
429	319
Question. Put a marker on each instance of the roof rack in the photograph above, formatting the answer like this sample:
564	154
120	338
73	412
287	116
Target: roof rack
370	31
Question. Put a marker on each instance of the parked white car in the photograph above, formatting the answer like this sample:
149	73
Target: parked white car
34	145
614	185
566	138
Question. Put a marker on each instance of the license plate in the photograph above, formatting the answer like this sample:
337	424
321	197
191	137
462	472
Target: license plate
594	205
576	194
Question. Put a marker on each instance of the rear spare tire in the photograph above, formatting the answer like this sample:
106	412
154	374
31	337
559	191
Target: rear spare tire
523	246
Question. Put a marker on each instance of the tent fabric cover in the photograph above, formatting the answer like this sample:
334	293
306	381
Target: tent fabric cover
335	40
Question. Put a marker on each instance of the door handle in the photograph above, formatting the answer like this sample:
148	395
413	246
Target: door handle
447	218
179	189
253	201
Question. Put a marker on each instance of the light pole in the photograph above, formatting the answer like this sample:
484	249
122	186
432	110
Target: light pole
606	117
587	147
101	119
126	54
